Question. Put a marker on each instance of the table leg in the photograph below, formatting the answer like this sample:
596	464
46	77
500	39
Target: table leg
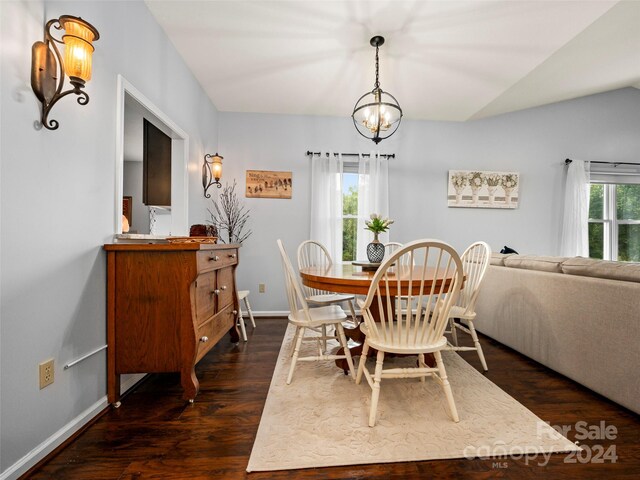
357	337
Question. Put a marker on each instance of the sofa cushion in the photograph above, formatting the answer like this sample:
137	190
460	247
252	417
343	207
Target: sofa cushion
591	267
534	262
498	258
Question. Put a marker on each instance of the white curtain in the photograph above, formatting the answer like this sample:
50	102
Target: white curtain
575	224
326	203
373	197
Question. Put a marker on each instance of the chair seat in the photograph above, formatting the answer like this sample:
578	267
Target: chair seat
242	294
327	298
460	312
416	348
319	316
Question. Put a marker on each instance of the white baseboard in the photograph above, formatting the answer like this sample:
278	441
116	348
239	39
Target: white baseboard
269	313
54	441
280	313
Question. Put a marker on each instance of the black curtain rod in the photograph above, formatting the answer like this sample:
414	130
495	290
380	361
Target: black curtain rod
387	155
568	161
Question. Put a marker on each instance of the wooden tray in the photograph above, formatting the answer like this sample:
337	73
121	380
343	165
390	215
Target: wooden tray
367	266
192	239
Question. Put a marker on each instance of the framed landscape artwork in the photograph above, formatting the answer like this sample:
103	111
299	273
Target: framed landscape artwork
267	184
480	189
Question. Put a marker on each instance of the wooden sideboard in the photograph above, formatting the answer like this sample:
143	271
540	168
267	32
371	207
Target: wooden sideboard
167	306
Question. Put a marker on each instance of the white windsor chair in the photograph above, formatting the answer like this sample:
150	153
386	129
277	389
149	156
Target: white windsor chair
417	331
314	319
475	261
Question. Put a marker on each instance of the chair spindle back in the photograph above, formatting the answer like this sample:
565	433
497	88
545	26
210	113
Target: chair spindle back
427	273
475	261
313	254
295	296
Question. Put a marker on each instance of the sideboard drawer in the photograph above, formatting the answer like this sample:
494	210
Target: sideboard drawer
205	296
214	259
225	288
213	330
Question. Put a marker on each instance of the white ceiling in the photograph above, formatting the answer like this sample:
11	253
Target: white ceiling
442	60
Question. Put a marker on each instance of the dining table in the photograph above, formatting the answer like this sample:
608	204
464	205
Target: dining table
348	278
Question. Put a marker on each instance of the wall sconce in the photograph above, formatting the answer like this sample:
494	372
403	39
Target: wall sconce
48	68
211	172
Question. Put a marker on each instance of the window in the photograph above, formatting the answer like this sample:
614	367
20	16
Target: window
349	211
614	221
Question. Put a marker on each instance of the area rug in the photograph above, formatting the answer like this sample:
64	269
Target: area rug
321	419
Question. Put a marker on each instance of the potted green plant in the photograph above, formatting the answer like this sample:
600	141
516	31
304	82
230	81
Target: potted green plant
376	224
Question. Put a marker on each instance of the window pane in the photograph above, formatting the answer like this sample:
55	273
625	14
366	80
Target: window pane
629	243
596	240
349	232
349	194
596	201
628	202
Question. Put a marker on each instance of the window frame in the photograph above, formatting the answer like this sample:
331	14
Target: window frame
349	168
610	219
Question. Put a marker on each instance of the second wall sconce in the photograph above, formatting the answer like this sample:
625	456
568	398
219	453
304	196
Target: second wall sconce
211	172
48	68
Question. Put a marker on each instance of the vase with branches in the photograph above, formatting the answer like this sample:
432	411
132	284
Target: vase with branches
229	215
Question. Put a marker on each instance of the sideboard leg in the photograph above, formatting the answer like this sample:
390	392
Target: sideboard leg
189	383
113	388
233	333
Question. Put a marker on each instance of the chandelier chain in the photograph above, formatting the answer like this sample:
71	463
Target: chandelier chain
377	84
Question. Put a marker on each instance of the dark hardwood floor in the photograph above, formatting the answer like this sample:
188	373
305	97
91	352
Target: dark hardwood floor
155	435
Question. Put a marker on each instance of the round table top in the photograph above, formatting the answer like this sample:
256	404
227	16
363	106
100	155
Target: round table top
345	278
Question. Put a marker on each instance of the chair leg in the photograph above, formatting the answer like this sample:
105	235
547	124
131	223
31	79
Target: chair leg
240	321
353	312
476	342
296	350
446	387
345	346
375	389
294	341
454	332
363	360
324	338
248	306
422	364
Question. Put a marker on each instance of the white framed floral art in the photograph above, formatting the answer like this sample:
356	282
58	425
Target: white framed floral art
482	189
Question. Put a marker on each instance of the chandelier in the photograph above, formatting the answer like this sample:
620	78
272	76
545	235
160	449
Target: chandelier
377	114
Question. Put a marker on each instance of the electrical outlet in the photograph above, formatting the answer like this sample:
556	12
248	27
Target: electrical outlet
262	288
46	373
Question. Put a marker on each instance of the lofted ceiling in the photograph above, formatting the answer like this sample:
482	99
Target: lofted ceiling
442	60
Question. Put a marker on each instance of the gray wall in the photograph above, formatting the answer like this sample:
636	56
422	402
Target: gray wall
534	142
58	201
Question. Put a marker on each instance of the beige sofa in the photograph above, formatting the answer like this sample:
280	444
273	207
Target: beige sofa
578	316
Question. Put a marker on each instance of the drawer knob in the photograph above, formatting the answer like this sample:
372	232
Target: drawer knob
214	258
215	292
223	287
204	339
232	255
235	312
